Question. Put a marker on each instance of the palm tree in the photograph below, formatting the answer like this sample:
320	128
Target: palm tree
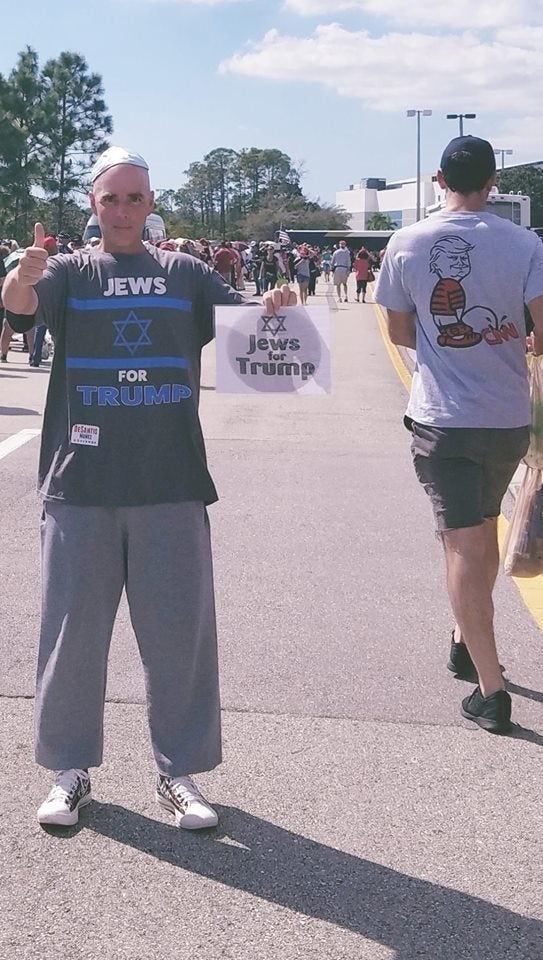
380	221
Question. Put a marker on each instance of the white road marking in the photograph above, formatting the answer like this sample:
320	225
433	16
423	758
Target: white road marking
16	441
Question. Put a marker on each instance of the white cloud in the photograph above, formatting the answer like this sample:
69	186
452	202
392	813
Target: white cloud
198	3
401	70
528	37
460	14
522	135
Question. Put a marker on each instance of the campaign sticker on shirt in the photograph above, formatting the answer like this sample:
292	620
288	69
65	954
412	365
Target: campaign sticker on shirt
84	434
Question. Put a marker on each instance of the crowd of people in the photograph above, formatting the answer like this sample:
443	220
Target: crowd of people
271	263
267	264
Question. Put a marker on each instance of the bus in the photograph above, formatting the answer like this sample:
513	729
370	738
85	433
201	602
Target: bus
154	230
510	206
375	240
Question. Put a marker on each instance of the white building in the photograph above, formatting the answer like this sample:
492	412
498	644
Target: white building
398	199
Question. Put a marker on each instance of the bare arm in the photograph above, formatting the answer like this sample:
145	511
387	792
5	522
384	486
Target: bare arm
402	330
18	297
18	294
536	312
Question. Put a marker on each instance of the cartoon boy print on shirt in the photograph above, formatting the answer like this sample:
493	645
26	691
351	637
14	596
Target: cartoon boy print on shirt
450	260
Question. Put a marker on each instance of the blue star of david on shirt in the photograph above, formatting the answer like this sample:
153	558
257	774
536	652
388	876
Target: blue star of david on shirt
133	338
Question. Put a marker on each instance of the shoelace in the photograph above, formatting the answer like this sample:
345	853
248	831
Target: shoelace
66	784
185	790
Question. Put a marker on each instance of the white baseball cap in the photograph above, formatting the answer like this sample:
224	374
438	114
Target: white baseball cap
114	156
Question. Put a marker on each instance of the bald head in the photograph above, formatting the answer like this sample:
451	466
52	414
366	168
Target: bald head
121	198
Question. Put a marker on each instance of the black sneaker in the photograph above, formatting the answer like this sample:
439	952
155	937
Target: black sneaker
461	664
492	713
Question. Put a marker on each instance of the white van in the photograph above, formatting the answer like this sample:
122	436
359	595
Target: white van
154	230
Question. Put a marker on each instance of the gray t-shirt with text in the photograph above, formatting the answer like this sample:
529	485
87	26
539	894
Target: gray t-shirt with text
467	277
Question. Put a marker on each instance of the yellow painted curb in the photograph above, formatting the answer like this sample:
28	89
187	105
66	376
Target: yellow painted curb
530	589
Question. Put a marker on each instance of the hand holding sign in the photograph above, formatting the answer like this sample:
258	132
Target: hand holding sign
274	300
34	259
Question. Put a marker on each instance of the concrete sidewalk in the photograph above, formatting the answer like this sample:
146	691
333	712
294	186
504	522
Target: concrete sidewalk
361	817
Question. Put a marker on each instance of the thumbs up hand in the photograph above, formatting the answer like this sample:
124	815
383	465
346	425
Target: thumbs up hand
33	260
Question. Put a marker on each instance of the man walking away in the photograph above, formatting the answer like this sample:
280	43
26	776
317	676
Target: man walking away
341	268
454	287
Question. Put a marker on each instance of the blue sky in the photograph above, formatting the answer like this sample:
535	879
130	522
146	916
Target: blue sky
327	81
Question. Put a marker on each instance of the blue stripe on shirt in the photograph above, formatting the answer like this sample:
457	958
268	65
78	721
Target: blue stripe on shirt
123	303
97	363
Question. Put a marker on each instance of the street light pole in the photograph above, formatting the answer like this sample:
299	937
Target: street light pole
502	153
418	114
461	117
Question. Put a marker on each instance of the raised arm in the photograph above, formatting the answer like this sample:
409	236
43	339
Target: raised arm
18	294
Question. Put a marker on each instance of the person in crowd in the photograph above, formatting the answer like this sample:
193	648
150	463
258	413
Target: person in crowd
63	242
205	252
454	288
362	269
314	272
375	260
269	270
224	261
303	273
6	332
35	358
341	268
125	485
326	263
259	252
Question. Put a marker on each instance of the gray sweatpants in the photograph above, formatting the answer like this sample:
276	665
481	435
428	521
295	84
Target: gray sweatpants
162	556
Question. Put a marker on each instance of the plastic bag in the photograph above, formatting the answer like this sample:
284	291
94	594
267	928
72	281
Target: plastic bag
534	456
523	548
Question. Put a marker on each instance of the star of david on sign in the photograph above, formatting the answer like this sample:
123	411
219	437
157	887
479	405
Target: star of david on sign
280	324
132	333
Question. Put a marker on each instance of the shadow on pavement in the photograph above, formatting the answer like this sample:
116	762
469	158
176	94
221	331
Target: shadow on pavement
524	733
415	918
524	692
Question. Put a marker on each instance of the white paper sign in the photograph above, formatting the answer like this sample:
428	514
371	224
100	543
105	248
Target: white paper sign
285	353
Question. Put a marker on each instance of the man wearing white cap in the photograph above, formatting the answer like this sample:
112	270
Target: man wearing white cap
125	485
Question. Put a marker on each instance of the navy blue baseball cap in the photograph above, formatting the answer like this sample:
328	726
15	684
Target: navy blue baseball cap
469	153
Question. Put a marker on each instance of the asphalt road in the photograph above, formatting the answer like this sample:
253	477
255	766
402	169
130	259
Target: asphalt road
361	817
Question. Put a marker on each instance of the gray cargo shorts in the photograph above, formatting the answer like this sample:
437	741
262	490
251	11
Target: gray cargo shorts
466	471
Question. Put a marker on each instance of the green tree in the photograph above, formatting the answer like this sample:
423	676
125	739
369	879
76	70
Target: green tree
220	165
21	143
527	180
78	124
225	186
381	221
294	214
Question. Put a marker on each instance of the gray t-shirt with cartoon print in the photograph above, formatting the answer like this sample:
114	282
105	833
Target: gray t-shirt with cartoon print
467	277
121	425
